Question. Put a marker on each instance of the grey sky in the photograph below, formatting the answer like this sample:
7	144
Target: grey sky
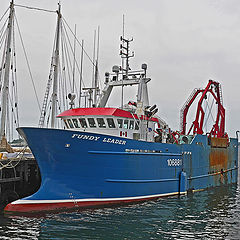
185	43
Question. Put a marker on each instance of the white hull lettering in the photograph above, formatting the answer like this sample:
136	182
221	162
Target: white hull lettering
85	137
174	162
115	141
93	138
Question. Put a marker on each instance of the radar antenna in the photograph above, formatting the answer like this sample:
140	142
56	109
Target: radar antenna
124	52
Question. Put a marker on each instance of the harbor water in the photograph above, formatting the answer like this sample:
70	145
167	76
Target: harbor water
210	214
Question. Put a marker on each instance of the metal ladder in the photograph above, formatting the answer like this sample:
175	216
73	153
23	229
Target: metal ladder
45	100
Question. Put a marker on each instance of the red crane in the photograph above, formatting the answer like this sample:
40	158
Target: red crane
218	129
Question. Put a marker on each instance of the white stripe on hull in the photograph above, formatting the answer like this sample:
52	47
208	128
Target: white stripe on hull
94	199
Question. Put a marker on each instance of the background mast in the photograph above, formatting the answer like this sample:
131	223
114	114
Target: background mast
5	88
56	63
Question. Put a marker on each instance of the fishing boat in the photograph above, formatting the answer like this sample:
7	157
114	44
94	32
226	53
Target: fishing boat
109	156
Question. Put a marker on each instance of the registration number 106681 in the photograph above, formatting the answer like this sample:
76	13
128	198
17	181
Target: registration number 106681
174	162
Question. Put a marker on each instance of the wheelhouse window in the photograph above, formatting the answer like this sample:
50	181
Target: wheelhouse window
75	122
125	124
83	122
120	123
137	125
91	122
65	121
111	123
101	123
131	124
70	123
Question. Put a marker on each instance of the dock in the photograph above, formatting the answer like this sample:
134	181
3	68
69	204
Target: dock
19	177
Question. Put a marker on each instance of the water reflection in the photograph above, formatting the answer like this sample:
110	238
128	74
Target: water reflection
203	215
19	228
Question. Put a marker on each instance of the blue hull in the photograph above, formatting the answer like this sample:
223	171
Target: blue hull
81	169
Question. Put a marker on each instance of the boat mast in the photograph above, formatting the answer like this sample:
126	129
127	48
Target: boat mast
91	100
81	71
123	26
56	63
5	88
95	85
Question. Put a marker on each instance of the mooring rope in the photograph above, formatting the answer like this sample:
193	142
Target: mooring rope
16	159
